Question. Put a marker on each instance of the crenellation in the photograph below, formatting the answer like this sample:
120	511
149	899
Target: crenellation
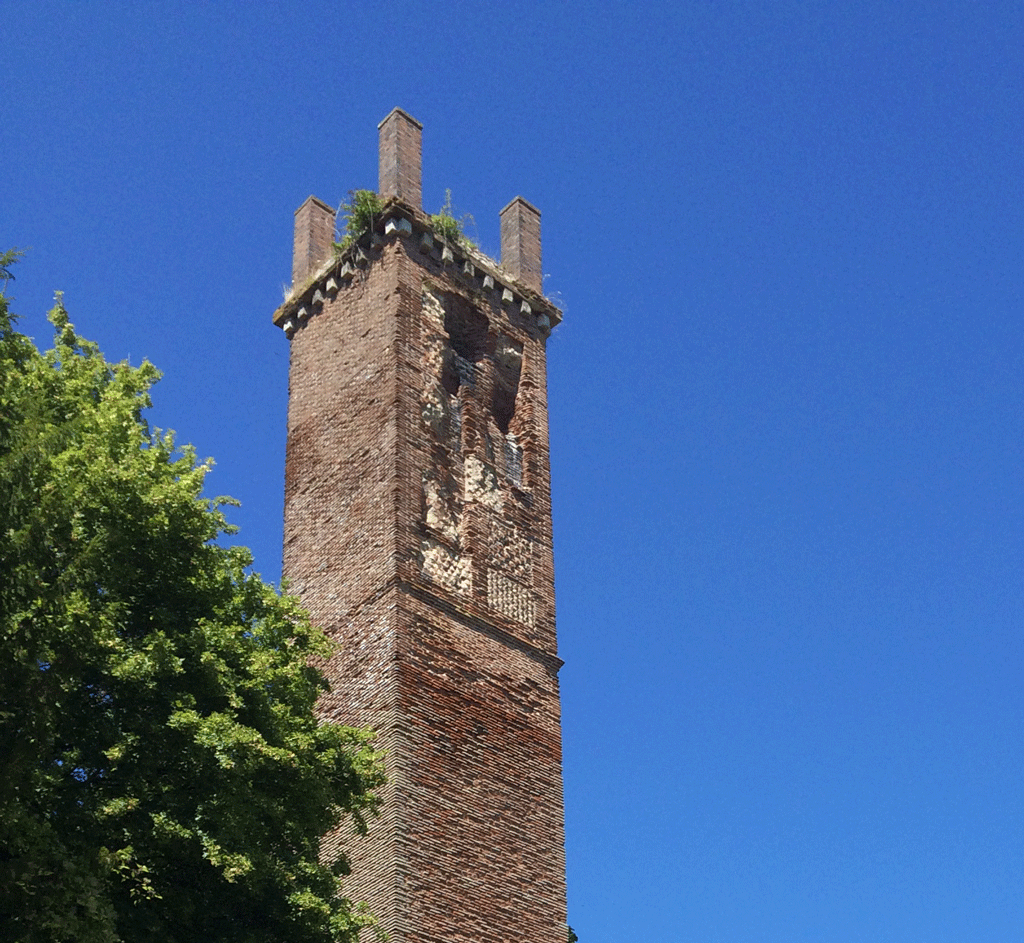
398	221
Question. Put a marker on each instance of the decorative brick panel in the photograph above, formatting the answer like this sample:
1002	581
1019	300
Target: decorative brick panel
510	598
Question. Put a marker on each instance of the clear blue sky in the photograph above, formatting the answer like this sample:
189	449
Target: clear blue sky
785	401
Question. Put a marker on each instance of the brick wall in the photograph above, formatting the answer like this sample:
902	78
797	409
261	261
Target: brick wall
520	242
314	236
401	138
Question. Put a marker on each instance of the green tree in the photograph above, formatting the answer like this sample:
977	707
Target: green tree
162	776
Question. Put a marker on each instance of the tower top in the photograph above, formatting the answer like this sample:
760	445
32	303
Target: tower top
319	266
399	111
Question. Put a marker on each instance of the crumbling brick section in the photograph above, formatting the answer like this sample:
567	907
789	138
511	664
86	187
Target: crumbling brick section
418	534
314	236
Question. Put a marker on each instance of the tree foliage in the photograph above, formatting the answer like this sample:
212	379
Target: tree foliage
162	776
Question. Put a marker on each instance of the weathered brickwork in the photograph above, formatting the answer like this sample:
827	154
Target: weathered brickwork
314	236
418	534
520	242
401	138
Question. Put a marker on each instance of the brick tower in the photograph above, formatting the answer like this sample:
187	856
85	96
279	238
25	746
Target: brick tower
418	534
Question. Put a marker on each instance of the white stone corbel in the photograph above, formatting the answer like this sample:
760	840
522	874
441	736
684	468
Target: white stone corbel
396	226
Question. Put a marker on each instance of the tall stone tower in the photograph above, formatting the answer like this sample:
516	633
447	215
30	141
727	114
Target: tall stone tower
418	534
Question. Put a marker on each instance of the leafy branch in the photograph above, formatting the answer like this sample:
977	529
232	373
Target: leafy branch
7	259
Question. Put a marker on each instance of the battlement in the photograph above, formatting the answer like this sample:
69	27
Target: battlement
318	268
399	220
